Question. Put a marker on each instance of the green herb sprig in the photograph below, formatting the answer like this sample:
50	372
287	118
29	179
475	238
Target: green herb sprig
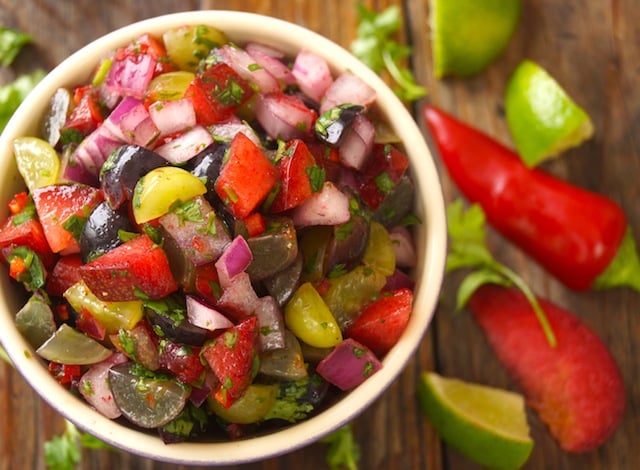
377	48
467	249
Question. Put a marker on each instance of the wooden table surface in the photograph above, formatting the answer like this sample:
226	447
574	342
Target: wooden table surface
592	48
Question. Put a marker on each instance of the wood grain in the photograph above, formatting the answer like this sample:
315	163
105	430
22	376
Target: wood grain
592	48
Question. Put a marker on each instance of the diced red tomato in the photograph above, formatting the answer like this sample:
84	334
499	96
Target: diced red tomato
217	93
295	185
16	232
232	358
382	322
65	374
132	271
386	161
181	360
237	184
62	209
65	273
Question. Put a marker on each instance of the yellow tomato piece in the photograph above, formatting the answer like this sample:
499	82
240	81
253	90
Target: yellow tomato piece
158	190
37	161
309	318
111	315
187	45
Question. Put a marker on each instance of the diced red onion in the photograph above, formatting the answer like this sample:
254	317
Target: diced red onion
186	145
238	299
284	116
330	206
94	386
348	365
271	324
204	316
124	107
312	75
403	246
228	129
235	259
138	127
269	59
173	116
247	67
348	88
357	144
91	153
131	75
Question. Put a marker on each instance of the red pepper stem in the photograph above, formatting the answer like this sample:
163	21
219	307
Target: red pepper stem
533	300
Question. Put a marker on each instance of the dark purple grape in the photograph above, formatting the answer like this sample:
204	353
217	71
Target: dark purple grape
105	229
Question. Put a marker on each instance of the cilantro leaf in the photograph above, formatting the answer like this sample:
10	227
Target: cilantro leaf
11	42
467	249
12	94
375	46
64	452
344	451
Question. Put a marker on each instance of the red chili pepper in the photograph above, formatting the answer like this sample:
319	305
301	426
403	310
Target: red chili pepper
580	237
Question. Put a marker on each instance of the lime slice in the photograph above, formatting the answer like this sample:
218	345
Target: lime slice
543	120
468	35
37	161
485	424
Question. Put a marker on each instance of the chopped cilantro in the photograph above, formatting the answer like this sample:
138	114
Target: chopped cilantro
344	452
345	230
376	47
187	211
74	224
337	271
384	183
317	177
12	94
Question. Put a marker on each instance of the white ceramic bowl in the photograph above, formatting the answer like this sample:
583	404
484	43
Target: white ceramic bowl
431	245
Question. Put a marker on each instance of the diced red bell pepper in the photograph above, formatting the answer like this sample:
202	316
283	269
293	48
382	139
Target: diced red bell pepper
65	374
295	185
246	178
18	202
181	360
217	92
135	270
385	169
382	322
17	232
87	114
207	283
65	273
62	210
232	358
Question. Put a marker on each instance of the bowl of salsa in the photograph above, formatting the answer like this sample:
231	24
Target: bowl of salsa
219	246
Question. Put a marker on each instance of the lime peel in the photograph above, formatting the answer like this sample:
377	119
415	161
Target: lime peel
543	119
487	425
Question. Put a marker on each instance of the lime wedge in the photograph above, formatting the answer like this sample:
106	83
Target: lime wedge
37	161
468	35
543	119
487	425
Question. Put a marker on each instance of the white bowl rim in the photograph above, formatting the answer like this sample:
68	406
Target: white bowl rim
431	246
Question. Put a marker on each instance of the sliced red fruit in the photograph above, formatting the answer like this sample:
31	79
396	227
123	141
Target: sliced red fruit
135	270
385	169
65	273
62	210
182	360
237	184
232	358
383	321
576	388
296	167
